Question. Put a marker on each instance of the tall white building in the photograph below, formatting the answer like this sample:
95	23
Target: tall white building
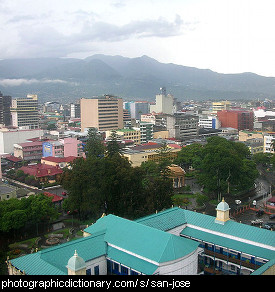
164	103
24	112
268	140
209	122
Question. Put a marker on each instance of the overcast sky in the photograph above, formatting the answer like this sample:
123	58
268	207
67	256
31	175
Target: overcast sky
225	36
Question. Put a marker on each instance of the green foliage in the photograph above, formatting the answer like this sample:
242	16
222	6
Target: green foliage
189	156
221	165
113	147
14	213
94	146
262	158
111	185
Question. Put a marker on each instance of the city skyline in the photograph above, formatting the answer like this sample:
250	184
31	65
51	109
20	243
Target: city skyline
224	36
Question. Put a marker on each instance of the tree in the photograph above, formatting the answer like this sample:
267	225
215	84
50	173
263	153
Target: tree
113	147
15	214
189	156
94	146
223	166
13	220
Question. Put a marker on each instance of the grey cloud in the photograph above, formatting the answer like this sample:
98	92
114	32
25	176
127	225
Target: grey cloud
47	41
103	31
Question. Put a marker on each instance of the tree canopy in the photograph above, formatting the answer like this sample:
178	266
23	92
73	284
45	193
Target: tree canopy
222	166
110	184
15	214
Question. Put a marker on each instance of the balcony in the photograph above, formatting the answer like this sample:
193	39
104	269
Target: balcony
231	259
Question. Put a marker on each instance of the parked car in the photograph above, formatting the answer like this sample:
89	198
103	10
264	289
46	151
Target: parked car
257	222
260	212
272	216
269	225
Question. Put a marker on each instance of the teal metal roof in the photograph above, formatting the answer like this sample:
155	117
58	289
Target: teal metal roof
143	240
165	220
174	217
53	261
32	264
231	228
131	261
264	267
229	243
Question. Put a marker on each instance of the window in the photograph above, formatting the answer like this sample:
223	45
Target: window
88	272
96	270
124	270
116	267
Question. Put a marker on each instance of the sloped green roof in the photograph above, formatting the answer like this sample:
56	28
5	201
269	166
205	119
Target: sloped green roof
32	264
131	261
53	261
229	243
143	240
174	217
165	220
231	228
264	267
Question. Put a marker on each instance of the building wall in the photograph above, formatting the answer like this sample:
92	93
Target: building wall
268	140
8	138
164	104
88	113
101	262
161	135
245	135
25	112
102	113
70	147
241	120
183	266
138	108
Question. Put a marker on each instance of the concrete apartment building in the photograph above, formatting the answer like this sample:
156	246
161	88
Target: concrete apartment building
237	119
24	112
182	126
164	103
104	113
127	134
220	105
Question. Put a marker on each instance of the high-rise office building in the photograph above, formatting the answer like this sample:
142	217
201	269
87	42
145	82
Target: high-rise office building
104	113
24	112
75	110
5	113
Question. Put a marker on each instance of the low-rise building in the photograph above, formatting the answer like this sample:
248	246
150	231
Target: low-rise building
60	162
43	173
9	137
29	150
171	242
127	134
148	152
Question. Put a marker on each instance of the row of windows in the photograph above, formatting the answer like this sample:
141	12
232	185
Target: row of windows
118	269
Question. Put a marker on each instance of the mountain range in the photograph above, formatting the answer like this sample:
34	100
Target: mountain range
68	79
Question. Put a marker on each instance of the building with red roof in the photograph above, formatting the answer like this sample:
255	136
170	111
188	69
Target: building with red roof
57	200
43	172
58	161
